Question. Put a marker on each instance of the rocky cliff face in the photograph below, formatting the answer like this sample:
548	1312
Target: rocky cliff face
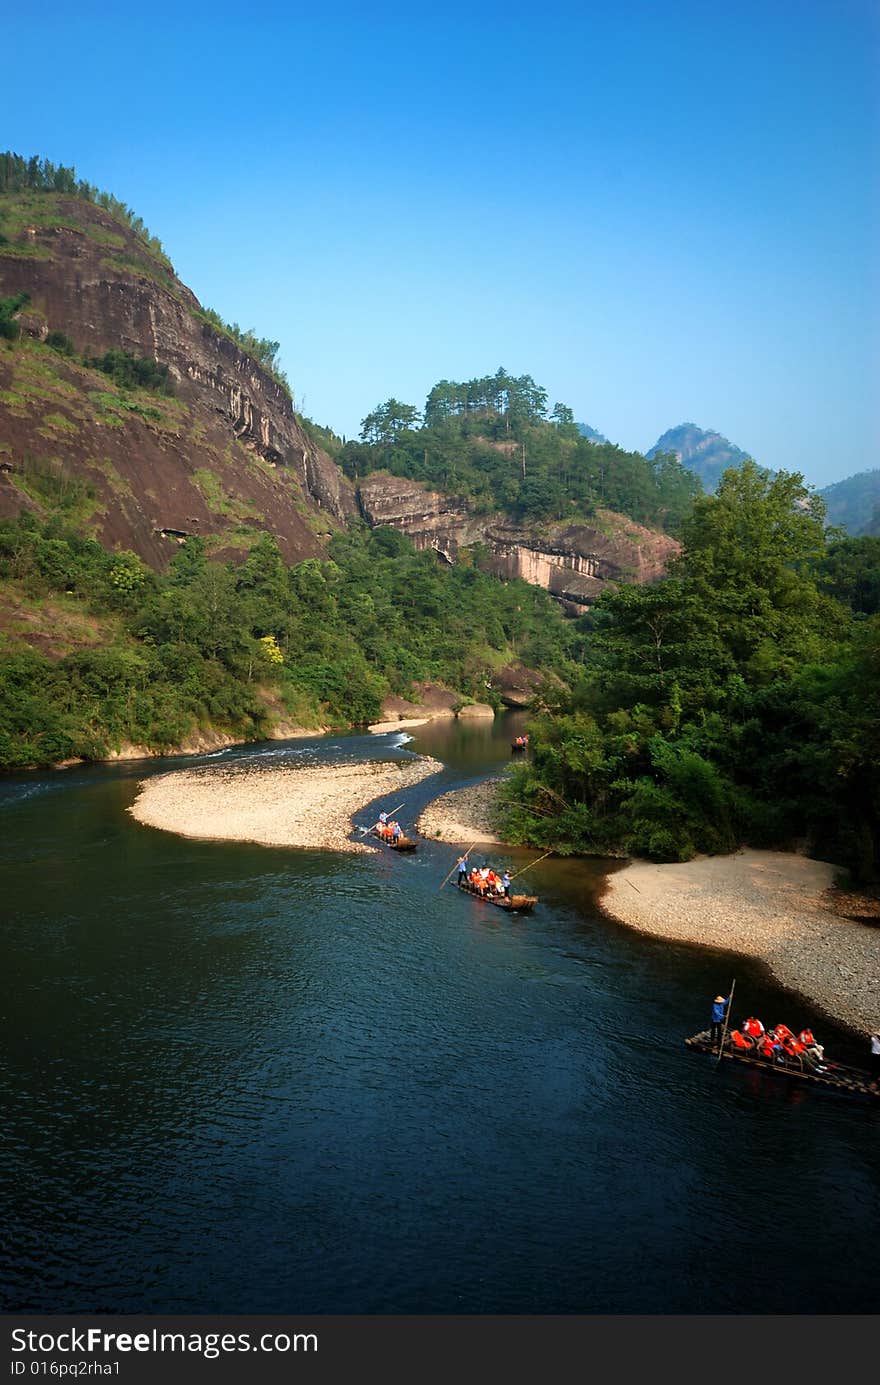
428	518
574	562
225	457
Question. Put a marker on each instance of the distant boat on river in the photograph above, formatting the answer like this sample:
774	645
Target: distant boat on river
517	903
400	844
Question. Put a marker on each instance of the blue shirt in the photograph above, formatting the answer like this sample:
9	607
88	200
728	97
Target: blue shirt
718	1008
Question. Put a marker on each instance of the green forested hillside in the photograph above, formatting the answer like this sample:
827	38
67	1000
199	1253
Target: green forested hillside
735	702
854	503
493	441
150	659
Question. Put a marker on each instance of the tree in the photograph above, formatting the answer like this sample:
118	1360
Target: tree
751	554
388	421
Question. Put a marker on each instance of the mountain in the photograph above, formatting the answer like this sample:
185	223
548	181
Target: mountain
161	504
706	454
589	433
210	446
854	503
148	420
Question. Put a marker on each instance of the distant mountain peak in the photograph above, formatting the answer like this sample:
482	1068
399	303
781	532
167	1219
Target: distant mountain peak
854	502
704	452
590	434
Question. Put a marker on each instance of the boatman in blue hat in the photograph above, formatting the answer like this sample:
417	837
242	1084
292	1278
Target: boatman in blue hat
719	1009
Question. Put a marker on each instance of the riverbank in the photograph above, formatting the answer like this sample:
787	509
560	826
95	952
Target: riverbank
303	806
774	906
463	815
771	905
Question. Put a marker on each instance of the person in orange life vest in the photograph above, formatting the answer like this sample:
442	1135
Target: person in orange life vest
769	1047
719	1009
753	1028
813	1053
786	1040
740	1042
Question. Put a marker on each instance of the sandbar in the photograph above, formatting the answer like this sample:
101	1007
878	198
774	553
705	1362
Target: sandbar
463	815
294	805
379	728
775	906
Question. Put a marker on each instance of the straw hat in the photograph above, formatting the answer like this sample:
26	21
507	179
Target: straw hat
719	998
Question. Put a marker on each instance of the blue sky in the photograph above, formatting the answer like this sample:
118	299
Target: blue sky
663	212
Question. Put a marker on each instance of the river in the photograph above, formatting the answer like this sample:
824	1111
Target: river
247	1079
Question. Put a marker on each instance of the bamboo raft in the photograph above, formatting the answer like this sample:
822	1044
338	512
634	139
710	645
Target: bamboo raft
832	1074
402	843
518	903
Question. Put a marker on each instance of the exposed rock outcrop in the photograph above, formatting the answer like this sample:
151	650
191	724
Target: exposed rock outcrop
476	710
434	701
515	684
428	518
574	562
224	456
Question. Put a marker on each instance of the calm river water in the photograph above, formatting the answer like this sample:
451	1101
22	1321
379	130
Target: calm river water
243	1079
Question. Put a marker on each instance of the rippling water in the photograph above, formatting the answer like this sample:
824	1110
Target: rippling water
243	1079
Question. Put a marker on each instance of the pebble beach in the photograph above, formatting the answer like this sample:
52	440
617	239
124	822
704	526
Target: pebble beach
462	816
771	905
308	806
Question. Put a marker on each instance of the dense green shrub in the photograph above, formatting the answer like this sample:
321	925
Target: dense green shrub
133	372
192	646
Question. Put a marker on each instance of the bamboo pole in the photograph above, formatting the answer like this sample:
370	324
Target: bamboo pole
364	830
466	855
532	863
726	1021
